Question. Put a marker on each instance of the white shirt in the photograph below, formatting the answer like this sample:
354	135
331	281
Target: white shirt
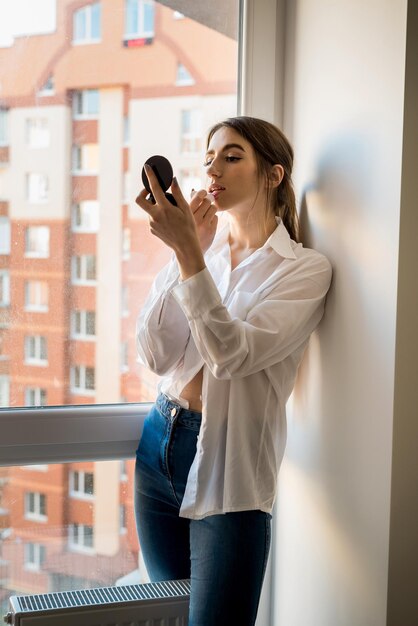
248	329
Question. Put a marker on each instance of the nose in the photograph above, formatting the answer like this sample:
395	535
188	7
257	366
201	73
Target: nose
213	169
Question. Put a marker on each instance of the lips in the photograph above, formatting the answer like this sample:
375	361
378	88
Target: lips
216	189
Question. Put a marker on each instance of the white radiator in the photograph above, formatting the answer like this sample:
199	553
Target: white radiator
150	604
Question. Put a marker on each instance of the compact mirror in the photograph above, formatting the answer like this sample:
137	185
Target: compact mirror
164	173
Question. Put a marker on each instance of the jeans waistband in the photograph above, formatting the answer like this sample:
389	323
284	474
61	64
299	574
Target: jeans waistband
172	410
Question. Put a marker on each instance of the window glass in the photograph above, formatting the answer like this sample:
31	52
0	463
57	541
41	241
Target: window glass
77	122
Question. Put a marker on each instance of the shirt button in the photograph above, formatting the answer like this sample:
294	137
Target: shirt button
173	412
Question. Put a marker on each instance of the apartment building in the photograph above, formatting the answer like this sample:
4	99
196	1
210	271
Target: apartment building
81	108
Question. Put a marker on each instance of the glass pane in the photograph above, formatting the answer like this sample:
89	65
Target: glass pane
53	540
80	132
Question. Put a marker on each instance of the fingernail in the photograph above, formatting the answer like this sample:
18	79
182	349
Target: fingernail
210	197
147	167
175	181
201	193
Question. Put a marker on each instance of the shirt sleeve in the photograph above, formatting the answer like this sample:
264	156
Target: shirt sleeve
274	327
162	329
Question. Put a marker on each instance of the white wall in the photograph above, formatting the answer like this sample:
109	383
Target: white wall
343	111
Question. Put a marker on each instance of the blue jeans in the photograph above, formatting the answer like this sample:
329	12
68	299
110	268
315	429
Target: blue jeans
224	555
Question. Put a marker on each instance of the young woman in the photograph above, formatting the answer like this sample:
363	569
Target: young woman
225	325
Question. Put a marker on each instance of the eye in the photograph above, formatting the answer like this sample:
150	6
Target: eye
207	162
232	159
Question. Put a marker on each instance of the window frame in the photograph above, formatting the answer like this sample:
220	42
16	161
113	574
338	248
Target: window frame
141	32
87	9
79	494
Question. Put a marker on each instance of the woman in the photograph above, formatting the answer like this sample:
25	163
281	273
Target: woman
225	325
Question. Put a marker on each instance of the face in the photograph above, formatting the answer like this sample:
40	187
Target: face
231	168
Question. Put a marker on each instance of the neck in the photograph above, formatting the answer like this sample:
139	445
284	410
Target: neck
247	234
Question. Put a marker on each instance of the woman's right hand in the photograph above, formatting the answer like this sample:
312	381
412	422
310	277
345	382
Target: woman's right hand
204	212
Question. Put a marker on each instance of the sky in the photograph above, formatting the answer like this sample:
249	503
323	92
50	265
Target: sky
25	17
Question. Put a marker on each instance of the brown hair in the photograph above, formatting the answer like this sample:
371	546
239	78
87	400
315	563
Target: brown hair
271	147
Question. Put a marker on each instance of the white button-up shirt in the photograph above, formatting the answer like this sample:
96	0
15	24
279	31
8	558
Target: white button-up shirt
248	329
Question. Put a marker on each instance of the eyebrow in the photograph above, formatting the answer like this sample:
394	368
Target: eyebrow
227	147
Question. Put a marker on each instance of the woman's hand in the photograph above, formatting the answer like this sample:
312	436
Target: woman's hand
175	225
204	212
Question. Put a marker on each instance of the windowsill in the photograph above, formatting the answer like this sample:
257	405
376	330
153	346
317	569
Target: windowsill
33	517
32	567
74	547
37	362
85	116
134	36
85	42
84	173
79	495
84	283
89	231
35	255
36	309
89	338
88	393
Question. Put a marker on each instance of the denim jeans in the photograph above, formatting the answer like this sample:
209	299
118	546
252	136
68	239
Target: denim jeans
224	555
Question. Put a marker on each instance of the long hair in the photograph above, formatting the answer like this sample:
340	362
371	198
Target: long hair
271	147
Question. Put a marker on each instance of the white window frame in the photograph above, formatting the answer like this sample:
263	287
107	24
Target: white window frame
82	334
41	345
140	32
5	235
89	217
36	514
5	288
81	155
34	287
88	39
81	390
77	532
82	279
77	476
37	132
83	96
43	251
37	393
34	556
4	390
183	76
37	188
4	127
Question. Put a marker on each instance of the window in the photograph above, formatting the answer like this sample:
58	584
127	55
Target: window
83	324
126	243
34	556
82	484
4	235
177	15
4	288
36	350
123	471
82	380
37	241
126	130
37	132
86	24
4	390
35	396
122	519
191	131
80	538
37	188
4	134
86	104
139	19
48	88
183	76
83	270
124	363
85	217
36	295
86	159
35	506
125	301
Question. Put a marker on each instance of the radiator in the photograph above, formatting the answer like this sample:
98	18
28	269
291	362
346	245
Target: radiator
150	604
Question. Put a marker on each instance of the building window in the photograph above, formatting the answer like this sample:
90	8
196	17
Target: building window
4	127
35	506
80	538
37	132
37	241
183	76
4	288
177	15
126	244
191	131
4	235
82	380
124	363
48	88
122	519
83	269
126	130
85	217
81	484
36	296
4	390
86	104
123	471
125	301
37	188
86	159
83	324
36	352
34	556
35	396
86	24
139	19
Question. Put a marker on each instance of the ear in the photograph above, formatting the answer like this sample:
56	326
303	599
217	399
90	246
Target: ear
276	175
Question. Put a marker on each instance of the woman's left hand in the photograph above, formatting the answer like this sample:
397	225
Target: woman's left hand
175	225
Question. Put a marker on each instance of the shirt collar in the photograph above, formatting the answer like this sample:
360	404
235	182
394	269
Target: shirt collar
279	240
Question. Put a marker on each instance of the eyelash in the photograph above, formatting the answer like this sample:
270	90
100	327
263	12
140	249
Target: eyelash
229	159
